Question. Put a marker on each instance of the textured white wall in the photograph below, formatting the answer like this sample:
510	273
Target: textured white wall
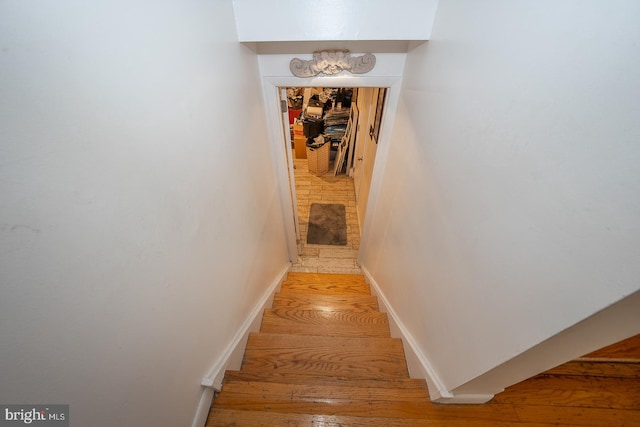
139	217
509	209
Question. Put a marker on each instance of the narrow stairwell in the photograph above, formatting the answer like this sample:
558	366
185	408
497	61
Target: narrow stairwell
323	356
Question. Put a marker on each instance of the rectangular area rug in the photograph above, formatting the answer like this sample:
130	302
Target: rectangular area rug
327	224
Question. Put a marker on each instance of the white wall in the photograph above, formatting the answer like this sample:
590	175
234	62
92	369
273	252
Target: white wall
509	209
289	20
139	215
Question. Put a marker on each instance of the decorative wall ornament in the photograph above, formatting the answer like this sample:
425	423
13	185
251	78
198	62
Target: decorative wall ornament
332	62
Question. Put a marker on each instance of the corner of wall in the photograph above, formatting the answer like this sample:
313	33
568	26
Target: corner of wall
418	364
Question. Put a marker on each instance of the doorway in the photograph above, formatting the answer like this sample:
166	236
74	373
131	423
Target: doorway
352	120
283	168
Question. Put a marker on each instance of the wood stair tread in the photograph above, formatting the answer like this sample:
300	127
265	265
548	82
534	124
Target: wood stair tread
489	415
344	399
309	301
222	417
326	283
328	323
310	379
326	288
576	391
627	350
324	277
335	356
598	368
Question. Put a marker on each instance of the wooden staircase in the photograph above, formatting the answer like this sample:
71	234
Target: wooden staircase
323	356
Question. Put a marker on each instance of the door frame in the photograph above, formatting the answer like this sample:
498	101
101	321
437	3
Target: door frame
284	176
290	165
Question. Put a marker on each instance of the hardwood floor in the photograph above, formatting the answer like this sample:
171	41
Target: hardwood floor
324	357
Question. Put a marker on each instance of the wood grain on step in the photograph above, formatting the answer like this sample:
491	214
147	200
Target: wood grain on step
236	418
295	277
575	391
327	288
598	368
310	379
334	356
302	301
325	399
328	323
507	414
625	350
488	415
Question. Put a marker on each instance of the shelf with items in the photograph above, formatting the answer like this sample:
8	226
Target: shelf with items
335	125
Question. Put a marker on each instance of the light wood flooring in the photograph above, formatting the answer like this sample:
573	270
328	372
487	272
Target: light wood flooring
326	189
324	357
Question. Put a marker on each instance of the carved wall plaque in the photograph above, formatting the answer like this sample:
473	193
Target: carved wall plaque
332	62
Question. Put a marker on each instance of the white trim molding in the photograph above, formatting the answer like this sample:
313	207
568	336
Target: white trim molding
417	362
617	322
331	62
232	356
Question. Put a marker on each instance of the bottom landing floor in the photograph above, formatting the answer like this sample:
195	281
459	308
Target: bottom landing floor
326	188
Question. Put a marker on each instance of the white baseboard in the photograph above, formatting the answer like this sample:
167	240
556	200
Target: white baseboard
231	358
202	411
417	362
